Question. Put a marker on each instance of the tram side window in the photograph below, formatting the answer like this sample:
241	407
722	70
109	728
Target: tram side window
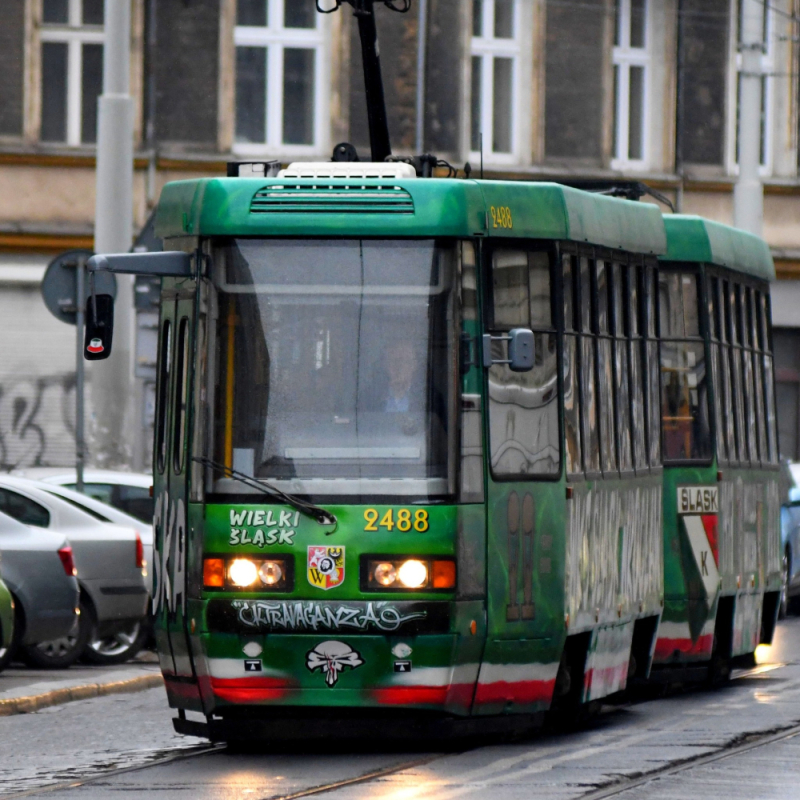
769	381
652	373
471	424
747	371
605	375
721	375
755	368
621	384
523	411
165	365
572	404
684	396
634	347
587	359
734	350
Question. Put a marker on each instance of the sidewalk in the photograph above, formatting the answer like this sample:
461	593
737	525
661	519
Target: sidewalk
23	691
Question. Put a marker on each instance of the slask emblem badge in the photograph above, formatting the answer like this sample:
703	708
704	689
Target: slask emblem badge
325	566
331	658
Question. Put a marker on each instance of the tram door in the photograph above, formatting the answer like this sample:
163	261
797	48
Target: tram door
171	455
525	496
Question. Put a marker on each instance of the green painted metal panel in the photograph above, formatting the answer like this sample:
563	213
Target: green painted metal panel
553	211
441	207
691	238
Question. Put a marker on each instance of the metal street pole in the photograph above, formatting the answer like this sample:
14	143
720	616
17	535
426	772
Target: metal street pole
748	195
80	370
112	381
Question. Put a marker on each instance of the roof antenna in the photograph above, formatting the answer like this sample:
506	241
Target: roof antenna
481	155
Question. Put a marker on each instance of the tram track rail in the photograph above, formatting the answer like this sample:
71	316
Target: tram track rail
753	741
614	788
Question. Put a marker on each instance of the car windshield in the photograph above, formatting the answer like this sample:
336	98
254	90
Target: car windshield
334	364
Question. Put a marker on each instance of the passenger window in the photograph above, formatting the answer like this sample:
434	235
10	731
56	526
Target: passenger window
523	406
756	366
684	396
24	509
586	296
720	375
587	356
736	371
621	385
572	405
164	361
635	368
510	289
602	296
769	385
605	373
181	396
652	394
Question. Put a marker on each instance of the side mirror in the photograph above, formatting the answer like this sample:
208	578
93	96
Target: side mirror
521	349
99	327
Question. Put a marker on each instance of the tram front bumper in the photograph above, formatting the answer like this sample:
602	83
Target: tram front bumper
422	655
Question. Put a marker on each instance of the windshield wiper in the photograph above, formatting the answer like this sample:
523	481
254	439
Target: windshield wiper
316	513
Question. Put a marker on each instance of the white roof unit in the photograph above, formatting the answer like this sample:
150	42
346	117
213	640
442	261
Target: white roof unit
348	169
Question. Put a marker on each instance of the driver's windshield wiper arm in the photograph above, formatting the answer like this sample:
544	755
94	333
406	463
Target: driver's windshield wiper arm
316	513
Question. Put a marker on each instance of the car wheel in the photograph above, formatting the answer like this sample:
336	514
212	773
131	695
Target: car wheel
116	648
63	652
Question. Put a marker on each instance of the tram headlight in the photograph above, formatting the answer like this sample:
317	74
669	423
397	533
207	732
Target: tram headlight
413	574
242	572
384	573
271	573
407	574
249	573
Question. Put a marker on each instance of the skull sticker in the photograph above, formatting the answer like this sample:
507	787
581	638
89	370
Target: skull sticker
331	658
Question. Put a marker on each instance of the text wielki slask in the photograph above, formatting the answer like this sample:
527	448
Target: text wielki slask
311	615
280	528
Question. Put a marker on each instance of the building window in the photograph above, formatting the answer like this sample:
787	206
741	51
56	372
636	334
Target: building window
279	75
495	78
768	69
71	38
631	69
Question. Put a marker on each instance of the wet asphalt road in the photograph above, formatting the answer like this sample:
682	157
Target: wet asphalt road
84	751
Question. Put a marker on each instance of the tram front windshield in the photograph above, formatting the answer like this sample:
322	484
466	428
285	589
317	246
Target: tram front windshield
333	367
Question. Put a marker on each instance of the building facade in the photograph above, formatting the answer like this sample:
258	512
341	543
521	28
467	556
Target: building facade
537	89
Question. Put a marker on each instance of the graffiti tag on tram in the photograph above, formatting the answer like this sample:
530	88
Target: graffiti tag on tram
305	615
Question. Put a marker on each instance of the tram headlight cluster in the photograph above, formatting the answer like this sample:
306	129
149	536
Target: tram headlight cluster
407	574
248	574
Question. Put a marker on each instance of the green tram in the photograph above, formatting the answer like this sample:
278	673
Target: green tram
409	452
722	559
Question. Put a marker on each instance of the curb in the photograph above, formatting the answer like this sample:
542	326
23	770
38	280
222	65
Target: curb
27	705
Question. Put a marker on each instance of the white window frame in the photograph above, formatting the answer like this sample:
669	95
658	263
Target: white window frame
276	38
487	48
768	68
624	57
74	35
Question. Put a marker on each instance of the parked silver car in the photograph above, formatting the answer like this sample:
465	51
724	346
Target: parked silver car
39	570
109	559
121	645
130	492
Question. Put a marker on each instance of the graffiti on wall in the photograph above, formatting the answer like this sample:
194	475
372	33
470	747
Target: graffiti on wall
37	421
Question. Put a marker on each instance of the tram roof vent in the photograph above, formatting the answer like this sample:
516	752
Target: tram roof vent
348	169
322	198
